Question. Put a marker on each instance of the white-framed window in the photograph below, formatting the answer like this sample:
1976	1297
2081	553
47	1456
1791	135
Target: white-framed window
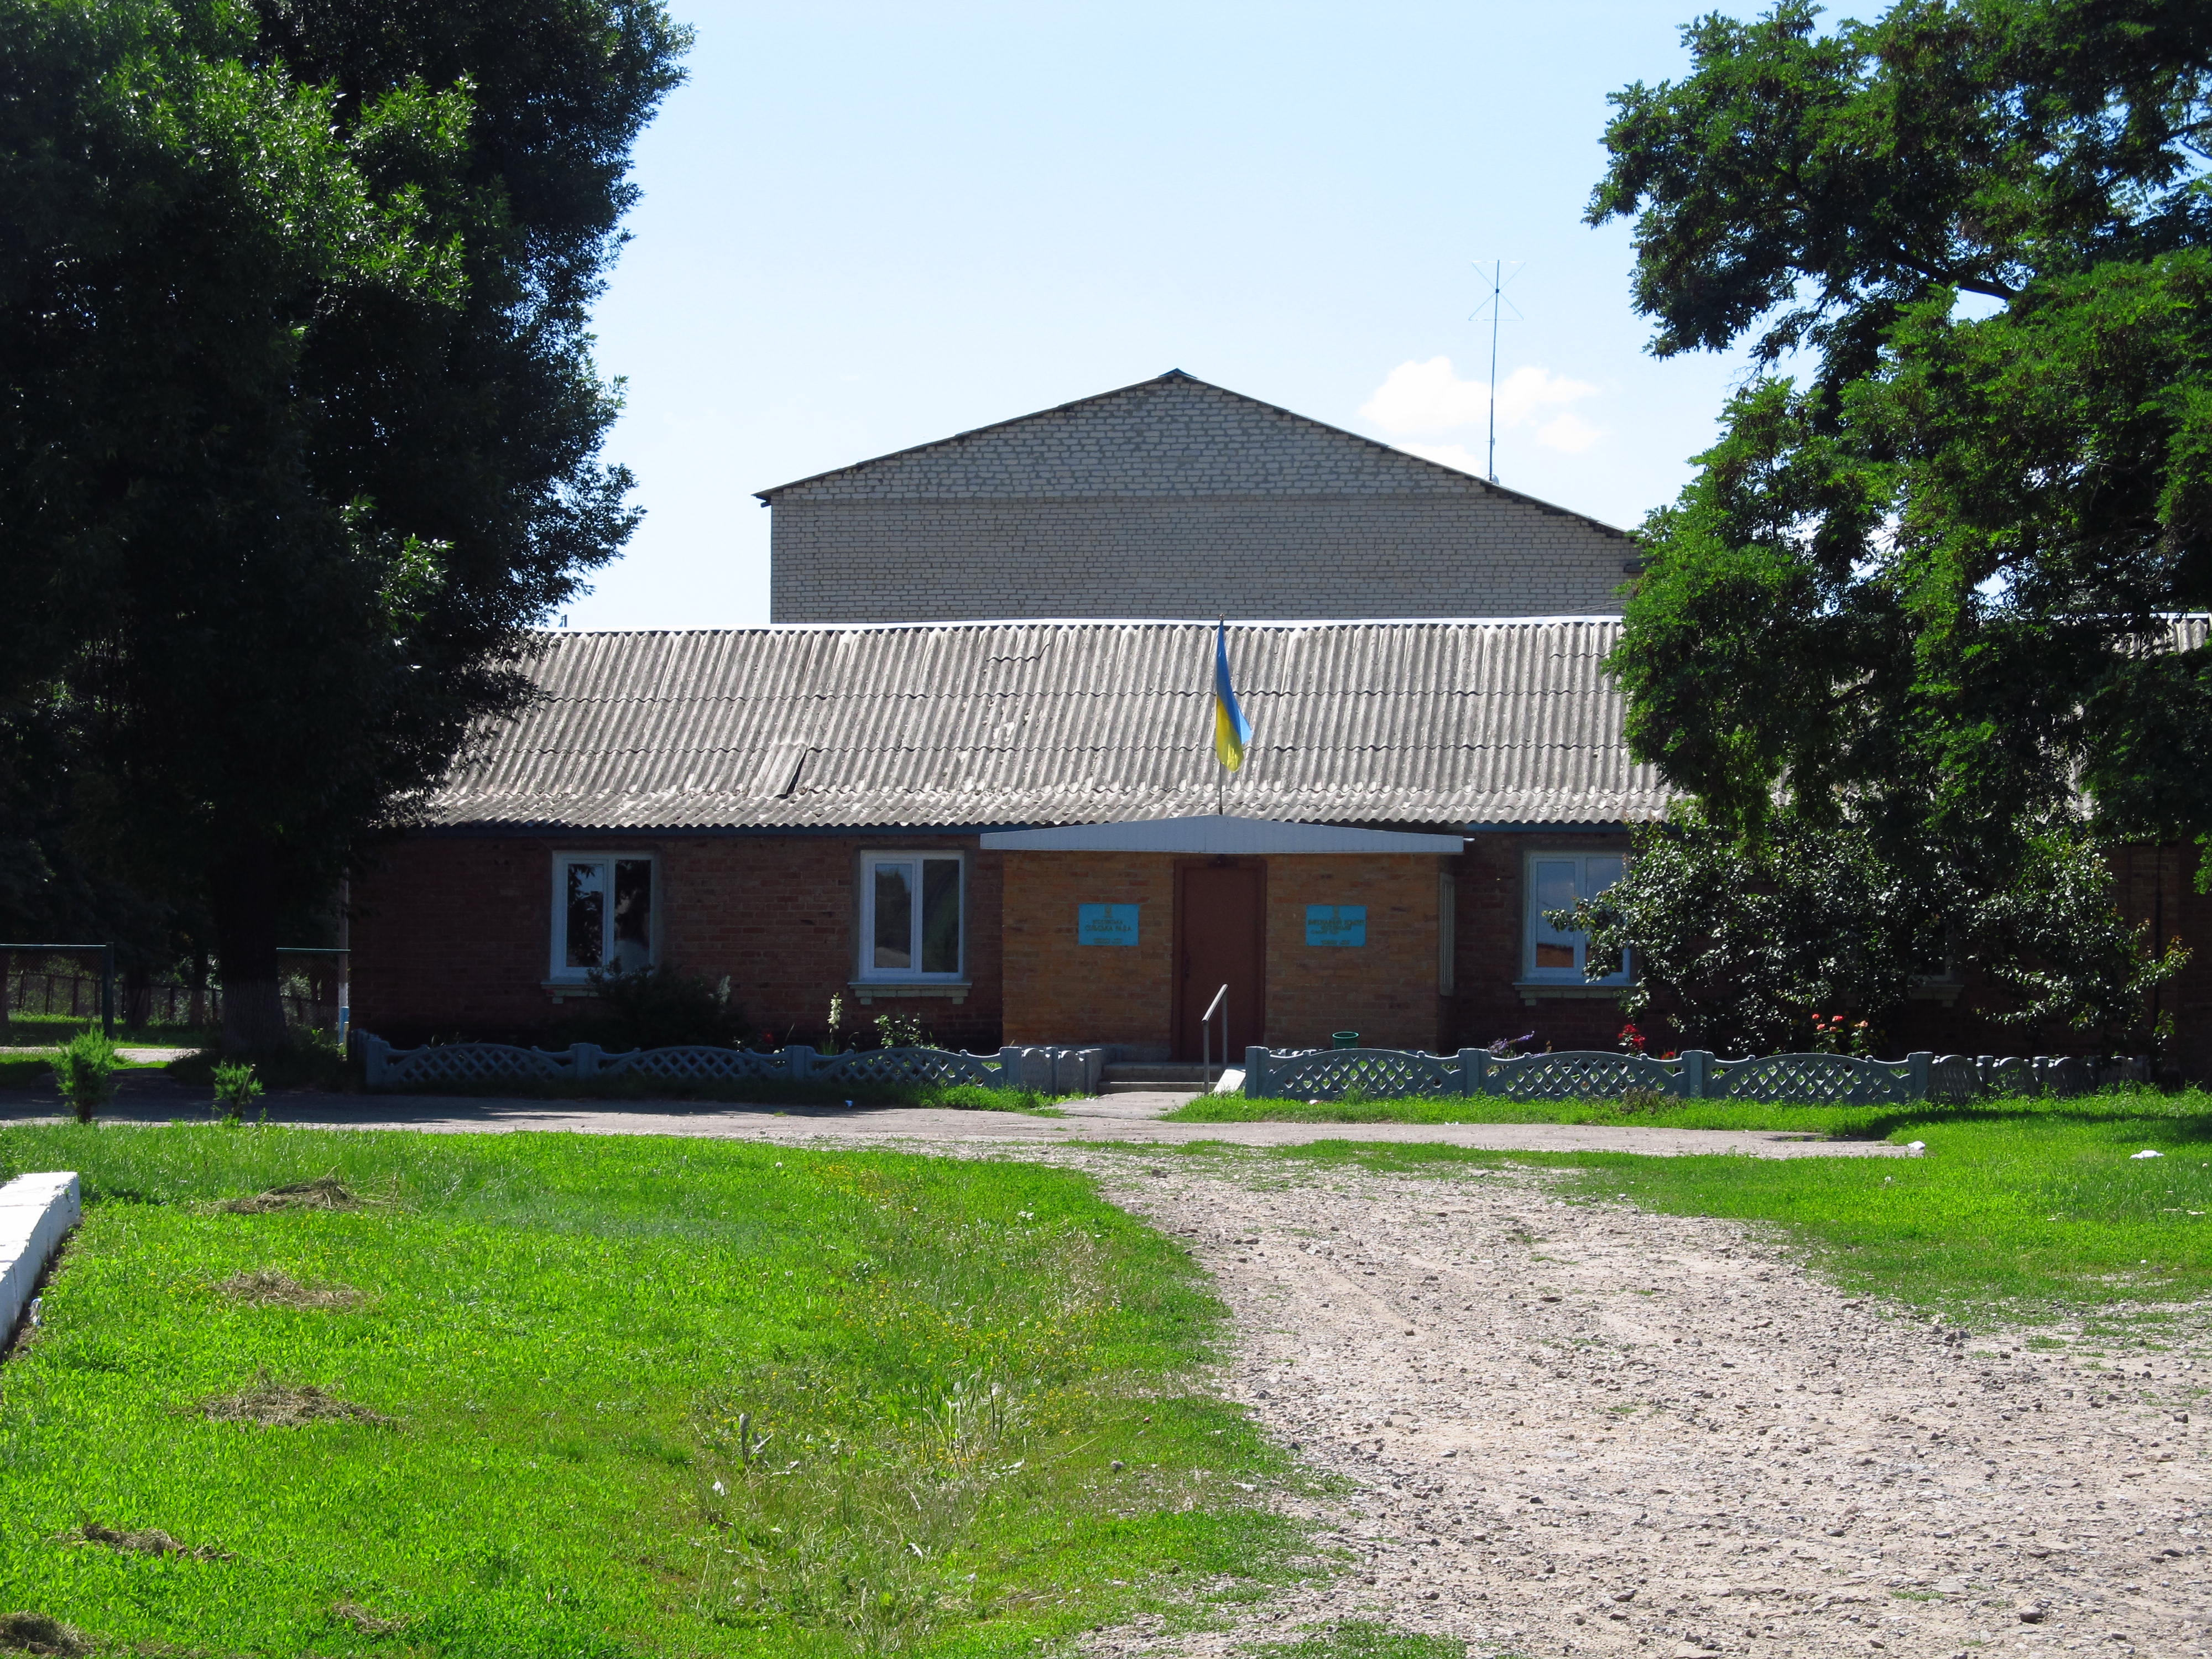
1552	955
604	914
912	916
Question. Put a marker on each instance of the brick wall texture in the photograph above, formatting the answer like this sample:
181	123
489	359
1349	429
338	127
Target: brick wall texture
1061	991
1176	498
1122	994
1490	893
452	937
1385	990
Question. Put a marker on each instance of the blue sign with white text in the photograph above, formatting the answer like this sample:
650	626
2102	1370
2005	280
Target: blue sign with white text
1336	924
1105	924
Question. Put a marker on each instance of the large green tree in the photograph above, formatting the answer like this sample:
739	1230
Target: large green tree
1933	570
300	424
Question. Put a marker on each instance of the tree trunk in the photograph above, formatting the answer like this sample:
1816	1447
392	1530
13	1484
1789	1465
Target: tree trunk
245	906
137	1011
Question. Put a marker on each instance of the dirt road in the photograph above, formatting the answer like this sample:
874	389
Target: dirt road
1583	1429
1132	1117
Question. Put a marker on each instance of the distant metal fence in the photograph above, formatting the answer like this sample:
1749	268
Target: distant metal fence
39	981
1332	1074
1046	1070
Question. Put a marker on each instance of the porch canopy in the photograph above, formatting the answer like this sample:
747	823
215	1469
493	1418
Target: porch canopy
1214	833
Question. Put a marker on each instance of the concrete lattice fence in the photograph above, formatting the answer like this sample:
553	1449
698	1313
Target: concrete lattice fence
1059	1070
1598	1074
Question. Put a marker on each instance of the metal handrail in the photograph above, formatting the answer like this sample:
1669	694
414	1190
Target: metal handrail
1205	1030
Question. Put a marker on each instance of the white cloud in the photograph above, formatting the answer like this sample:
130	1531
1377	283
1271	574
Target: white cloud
1426	398
1430	397
1529	390
1569	432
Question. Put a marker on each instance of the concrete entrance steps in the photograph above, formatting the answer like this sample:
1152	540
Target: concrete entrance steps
1161	1077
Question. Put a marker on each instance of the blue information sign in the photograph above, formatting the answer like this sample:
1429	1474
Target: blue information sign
1336	924
1105	924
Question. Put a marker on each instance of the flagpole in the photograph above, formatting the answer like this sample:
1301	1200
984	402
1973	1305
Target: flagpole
1221	768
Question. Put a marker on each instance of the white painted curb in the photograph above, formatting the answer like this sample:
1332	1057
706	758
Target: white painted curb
35	1212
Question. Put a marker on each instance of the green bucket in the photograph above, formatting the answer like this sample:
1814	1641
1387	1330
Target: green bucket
1344	1039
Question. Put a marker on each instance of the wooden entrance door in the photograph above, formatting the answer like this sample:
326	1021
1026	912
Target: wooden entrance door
1221	930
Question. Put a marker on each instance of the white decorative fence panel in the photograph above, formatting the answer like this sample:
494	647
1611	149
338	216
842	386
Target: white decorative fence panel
464	1062
1333	1074
1820	1079
1047	1071
692	1065
1581	1074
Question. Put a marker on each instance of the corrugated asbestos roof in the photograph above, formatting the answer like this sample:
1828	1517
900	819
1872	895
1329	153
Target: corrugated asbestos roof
1060	722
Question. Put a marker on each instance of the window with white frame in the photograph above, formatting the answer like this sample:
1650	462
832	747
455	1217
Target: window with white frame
911	916
1556	880
603	914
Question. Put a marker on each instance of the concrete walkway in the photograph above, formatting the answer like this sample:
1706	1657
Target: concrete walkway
1130	1118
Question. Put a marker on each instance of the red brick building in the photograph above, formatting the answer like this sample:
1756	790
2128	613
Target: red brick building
1017	832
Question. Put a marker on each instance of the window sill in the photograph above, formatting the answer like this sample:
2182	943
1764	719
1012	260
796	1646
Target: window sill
1534	991
867	990
566	988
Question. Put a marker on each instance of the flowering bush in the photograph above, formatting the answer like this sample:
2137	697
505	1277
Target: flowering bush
1832	1035
1631	1040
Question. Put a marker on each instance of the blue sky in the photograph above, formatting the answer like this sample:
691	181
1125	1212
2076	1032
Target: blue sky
866	225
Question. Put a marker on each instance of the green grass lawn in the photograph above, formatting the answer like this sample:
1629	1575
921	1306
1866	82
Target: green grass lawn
2017	1208
46	1030
630	1396
1854	1120
758	1091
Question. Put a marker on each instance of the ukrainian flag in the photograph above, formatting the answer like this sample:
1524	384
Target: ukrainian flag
1232	731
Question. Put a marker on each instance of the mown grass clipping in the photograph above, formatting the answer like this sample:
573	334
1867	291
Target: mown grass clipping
555	1395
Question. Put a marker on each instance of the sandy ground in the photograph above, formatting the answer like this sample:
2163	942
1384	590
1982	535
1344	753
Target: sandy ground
1125	1118
1584	1429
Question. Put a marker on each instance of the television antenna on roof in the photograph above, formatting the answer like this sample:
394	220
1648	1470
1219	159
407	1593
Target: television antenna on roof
1497	306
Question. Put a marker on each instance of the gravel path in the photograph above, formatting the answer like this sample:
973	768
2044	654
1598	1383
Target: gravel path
1131	1117
1584	1429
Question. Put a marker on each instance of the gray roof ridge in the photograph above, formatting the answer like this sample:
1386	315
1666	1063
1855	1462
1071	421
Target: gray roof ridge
769	494
1087	621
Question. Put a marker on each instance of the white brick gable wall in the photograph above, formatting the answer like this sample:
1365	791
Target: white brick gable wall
1176	498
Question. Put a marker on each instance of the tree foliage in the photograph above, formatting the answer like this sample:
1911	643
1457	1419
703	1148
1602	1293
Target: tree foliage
1743	945
302	422
1937	575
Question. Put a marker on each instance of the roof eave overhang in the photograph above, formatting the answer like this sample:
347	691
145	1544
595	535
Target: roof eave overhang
1216	835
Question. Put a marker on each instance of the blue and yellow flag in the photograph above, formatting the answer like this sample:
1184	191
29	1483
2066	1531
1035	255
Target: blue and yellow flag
1232	731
